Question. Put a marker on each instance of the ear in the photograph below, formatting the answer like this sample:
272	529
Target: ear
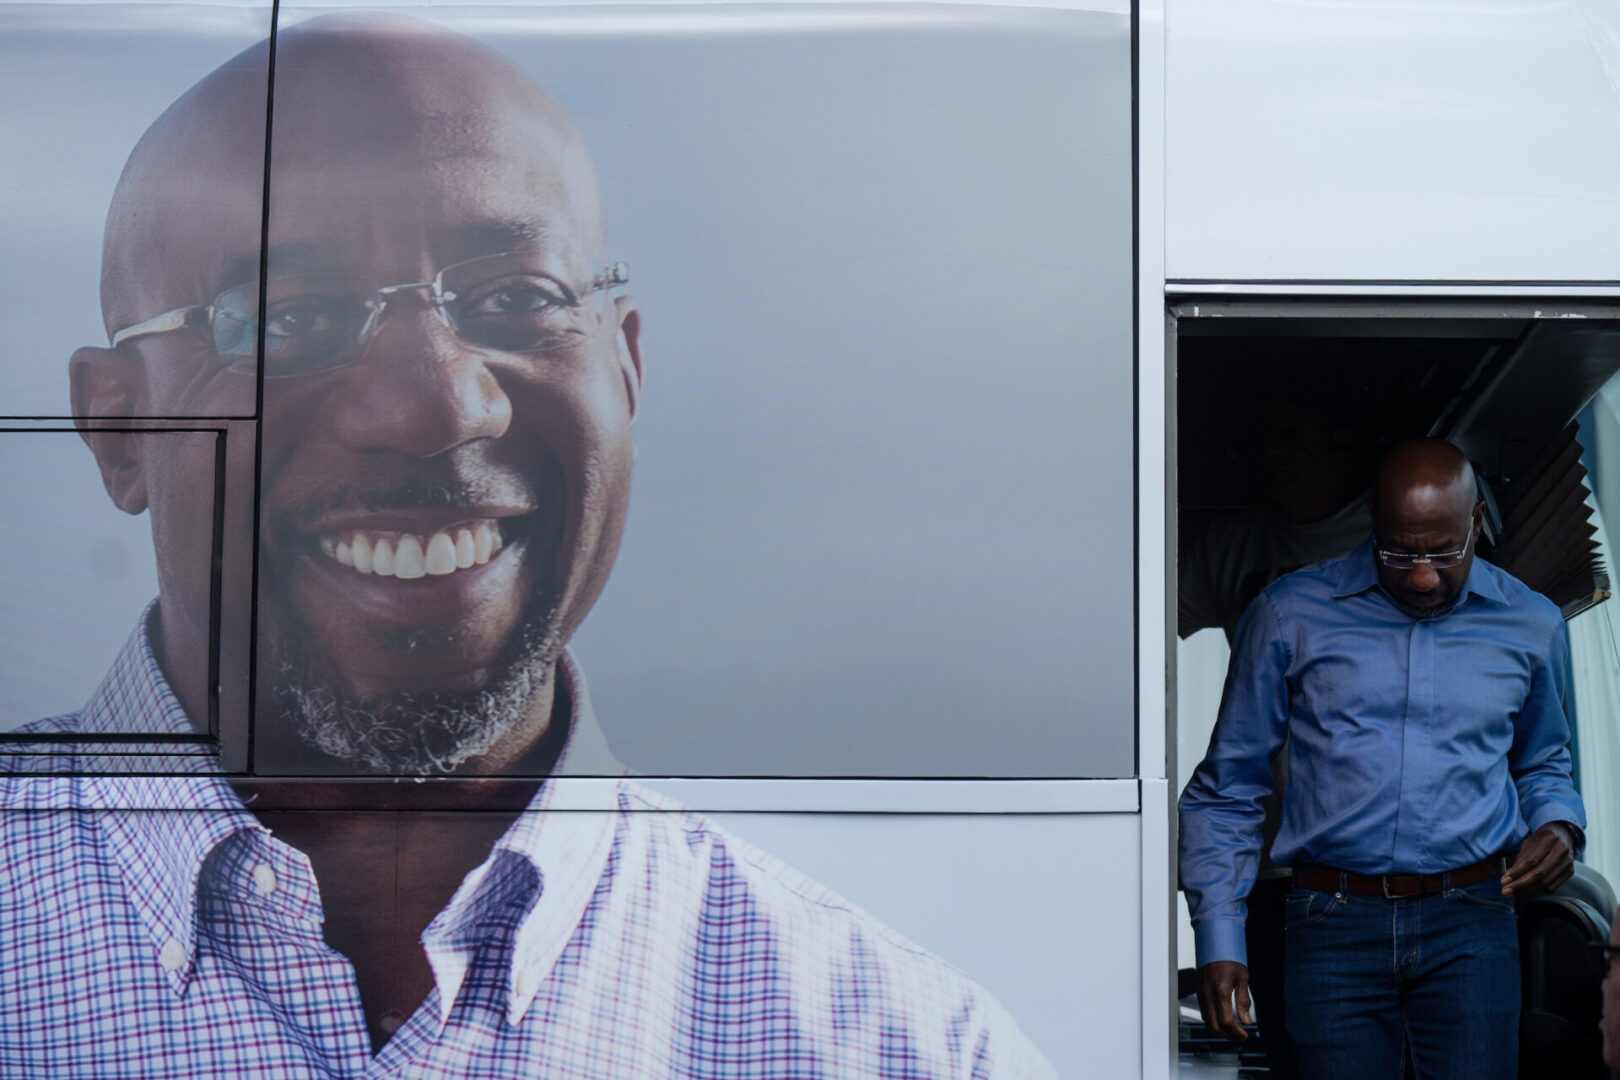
107	384
629	345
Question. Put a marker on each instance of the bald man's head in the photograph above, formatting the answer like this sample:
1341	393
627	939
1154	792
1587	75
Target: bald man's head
1425	503
448	385
360	100
1428	469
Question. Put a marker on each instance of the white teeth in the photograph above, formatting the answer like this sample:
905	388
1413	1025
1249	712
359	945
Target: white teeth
408	557
382	558
441	555
361	549
408	561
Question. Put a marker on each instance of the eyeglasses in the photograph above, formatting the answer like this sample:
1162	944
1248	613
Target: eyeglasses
1439	560
1607	952
313	324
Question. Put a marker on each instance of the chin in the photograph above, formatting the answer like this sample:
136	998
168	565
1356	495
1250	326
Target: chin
424	726
1428	608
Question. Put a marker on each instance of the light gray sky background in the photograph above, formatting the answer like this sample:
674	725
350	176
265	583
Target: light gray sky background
882	515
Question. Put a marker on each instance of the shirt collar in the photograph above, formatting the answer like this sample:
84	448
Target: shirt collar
1358	572
548	865
161	831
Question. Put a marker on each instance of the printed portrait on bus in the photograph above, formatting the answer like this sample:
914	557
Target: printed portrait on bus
775	371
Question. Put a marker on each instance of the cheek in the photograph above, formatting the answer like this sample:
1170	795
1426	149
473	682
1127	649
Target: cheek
1452	580
583	416
189	382
181	484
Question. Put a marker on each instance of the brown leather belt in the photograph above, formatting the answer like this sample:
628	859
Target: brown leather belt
1397	886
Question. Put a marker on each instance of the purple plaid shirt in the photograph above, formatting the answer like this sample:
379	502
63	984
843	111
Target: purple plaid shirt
151	927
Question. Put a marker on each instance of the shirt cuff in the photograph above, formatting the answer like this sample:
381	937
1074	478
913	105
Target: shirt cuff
1552	812
1577	835
1220	939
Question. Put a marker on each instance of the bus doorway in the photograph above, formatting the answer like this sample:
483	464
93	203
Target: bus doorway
1283	406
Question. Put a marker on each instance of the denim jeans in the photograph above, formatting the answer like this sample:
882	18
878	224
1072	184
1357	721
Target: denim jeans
1365	976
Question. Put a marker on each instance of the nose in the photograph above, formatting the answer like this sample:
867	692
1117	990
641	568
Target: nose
418	389
1422	578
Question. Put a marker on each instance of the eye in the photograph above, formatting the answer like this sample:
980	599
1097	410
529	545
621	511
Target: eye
309	332
527	294
304	318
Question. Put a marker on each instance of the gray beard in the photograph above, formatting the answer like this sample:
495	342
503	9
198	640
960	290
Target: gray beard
414	734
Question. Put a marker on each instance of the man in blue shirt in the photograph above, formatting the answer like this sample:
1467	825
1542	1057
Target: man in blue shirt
1422	694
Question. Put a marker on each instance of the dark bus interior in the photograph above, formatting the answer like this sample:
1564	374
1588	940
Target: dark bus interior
1283	407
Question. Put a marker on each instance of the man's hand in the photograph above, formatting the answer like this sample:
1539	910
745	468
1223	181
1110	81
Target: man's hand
1218	983
1546	860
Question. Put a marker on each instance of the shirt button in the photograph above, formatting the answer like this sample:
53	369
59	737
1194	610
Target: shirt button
172	956
264	879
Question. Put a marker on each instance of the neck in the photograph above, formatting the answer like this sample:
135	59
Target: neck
182	651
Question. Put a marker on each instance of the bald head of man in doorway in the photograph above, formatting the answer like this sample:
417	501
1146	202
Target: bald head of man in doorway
1426	517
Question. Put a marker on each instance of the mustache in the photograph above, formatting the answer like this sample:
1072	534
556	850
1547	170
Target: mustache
452	491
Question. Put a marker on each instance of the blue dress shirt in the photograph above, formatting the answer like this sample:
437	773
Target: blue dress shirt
1415	745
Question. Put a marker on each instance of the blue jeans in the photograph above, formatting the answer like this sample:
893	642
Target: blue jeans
1366	976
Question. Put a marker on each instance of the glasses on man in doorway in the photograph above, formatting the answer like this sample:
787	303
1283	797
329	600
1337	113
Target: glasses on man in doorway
1438	560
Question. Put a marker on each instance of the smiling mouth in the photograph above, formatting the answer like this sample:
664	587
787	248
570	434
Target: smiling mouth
408	556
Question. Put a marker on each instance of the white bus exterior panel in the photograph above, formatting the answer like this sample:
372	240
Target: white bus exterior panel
1392	141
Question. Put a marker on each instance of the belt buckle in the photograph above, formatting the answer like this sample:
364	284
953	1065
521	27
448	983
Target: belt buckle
1384	883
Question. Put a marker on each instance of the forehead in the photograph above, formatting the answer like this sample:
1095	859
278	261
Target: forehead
1426	508
443	163
1432	533
390	152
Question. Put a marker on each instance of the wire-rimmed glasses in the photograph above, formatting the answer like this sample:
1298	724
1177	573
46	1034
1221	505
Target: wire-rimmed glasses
1438	560
316	323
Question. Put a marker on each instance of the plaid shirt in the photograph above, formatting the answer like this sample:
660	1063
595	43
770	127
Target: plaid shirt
152	928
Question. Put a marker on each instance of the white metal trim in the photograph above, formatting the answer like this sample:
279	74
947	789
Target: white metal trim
894	796
1159	1028
1573	290
1154	400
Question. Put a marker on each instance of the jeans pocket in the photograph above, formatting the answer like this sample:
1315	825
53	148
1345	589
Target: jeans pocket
1482	894
1306	907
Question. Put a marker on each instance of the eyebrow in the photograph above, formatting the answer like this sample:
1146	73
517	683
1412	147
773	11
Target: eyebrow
491	237
1449	546
494	236
283	259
